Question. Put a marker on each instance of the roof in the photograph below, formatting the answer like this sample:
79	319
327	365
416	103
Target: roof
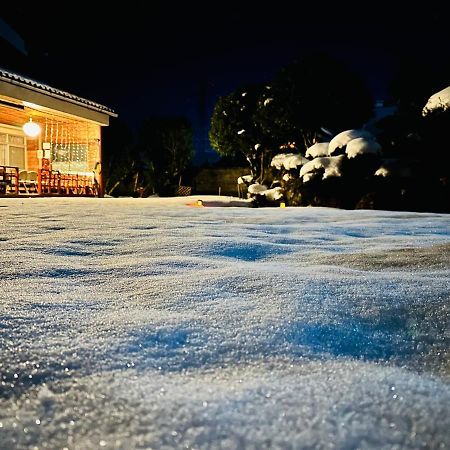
20	80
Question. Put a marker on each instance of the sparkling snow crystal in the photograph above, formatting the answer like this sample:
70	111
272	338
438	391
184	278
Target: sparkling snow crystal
149	323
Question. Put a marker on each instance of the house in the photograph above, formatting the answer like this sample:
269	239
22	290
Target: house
50	140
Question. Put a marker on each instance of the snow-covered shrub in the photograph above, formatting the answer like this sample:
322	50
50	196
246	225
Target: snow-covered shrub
440	100
342	139
263	196
288	161
327	166
362	146
335	173
317	150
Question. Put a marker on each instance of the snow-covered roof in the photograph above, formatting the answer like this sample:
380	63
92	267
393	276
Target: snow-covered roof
332	166
288	161
342	139
440	100
362	146
317	150
19	80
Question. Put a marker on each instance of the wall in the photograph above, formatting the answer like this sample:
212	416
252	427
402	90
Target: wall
208	180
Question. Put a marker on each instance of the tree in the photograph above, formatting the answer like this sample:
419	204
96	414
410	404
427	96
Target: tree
165	147
289	114
237	132
119	160
418	140
317	93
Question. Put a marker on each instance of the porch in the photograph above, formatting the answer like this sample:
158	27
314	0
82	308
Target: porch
50	140
15	182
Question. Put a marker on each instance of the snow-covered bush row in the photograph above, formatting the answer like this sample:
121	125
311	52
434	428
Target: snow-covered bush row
386	159
348	152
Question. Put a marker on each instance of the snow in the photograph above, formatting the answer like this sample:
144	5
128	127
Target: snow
382	172
318	150
147	323
394	167
245	179
440	100
343	138
261	189
257	188
288	161
362	146
274	194
309	176
330	164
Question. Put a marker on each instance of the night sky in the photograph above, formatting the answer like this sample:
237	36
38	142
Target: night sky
168	59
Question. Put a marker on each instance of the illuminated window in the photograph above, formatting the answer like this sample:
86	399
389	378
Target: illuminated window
12	148
70	158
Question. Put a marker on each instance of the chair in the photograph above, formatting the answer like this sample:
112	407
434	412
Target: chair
23	177
32	180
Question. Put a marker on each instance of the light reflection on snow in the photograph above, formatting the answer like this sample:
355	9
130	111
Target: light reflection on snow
145	323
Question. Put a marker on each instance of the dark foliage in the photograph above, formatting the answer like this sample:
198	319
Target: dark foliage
314	93
119	159
237	134
165	148
153	164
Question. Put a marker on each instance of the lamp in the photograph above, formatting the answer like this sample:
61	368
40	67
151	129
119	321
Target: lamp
31	129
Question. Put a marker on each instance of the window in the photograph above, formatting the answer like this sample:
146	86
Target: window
12	148
69	158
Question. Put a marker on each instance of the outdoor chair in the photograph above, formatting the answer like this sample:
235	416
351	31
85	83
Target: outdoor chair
32	180
23	176
28	181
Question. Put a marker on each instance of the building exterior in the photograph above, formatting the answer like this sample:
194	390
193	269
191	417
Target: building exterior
58	151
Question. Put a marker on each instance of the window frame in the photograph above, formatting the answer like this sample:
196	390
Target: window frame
14	131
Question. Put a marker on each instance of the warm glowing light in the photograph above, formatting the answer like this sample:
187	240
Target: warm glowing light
31	128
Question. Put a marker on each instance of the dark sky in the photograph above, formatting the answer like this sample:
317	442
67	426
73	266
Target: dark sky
169	58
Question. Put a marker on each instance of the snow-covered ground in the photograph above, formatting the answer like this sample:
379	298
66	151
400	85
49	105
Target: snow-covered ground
147	323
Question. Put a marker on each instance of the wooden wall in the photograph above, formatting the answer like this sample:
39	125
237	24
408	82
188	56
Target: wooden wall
32	159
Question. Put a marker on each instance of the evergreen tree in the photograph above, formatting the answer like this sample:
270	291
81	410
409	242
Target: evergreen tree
119	159
317	93
165	147
236	131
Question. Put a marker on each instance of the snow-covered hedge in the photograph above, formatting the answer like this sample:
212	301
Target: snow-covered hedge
350	155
